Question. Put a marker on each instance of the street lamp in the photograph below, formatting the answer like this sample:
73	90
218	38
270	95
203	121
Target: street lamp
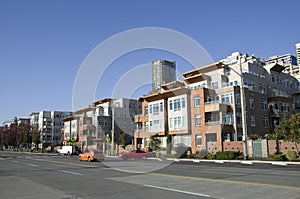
112	128
243	107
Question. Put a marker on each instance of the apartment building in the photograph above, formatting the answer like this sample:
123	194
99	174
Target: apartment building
117	116
298	52
205	109
289	62
79	129
50	124
90	126
34	118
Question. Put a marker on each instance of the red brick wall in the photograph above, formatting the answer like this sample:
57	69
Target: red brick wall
283	147
233	146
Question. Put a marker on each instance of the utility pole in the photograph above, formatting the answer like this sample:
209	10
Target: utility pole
244	111
112	128
243	107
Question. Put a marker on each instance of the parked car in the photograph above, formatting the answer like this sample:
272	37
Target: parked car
91	155
134	154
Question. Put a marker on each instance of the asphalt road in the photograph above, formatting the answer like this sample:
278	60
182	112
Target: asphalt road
44	176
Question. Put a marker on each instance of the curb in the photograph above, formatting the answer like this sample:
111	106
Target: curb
246	162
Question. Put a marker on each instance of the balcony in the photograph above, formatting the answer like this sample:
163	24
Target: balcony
215	106
47	127
88	127
140	118
274	113
297	104
212	123
46	119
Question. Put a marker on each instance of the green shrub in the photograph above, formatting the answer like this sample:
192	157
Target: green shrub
227	155
211	156
169	155
191	156
280	157
291	155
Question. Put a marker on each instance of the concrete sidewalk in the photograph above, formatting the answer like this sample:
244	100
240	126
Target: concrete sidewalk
249	162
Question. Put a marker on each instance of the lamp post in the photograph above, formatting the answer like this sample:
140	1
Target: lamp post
243	107
112	128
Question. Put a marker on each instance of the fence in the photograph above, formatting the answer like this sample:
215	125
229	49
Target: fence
262	148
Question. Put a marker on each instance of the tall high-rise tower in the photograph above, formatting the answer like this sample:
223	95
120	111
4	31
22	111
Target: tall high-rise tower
298	52
162	72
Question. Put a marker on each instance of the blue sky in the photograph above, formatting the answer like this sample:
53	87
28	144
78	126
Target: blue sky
43	43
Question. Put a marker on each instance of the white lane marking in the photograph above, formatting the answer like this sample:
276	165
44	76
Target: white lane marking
175	190
1	158
15	161
70	172
33	165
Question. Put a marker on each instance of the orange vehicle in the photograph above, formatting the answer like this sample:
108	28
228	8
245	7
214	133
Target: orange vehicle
91	155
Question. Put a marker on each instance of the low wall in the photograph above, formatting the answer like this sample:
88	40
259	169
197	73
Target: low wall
233	146
281	147
269	147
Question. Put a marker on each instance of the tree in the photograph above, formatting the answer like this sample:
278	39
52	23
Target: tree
289	129
35	133
155	142
169	143
123	140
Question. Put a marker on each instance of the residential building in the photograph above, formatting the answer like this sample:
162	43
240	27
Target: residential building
50	125
116	116
89	127
289	62
298	53
205	109
163	71
34	118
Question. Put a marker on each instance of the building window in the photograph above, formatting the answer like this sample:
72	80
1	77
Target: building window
199	140
177	105
155	109
197	101
177	140
150	107
251	103
156	125
147	126
187	140
171	105
228	118
238	100
263	105
215	85
262	88
183	102
252	120
198	120
227	98
171	123
161	107
265	122
177	123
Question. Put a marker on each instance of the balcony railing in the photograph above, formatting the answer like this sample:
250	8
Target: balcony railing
138	116
211	123
212	102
